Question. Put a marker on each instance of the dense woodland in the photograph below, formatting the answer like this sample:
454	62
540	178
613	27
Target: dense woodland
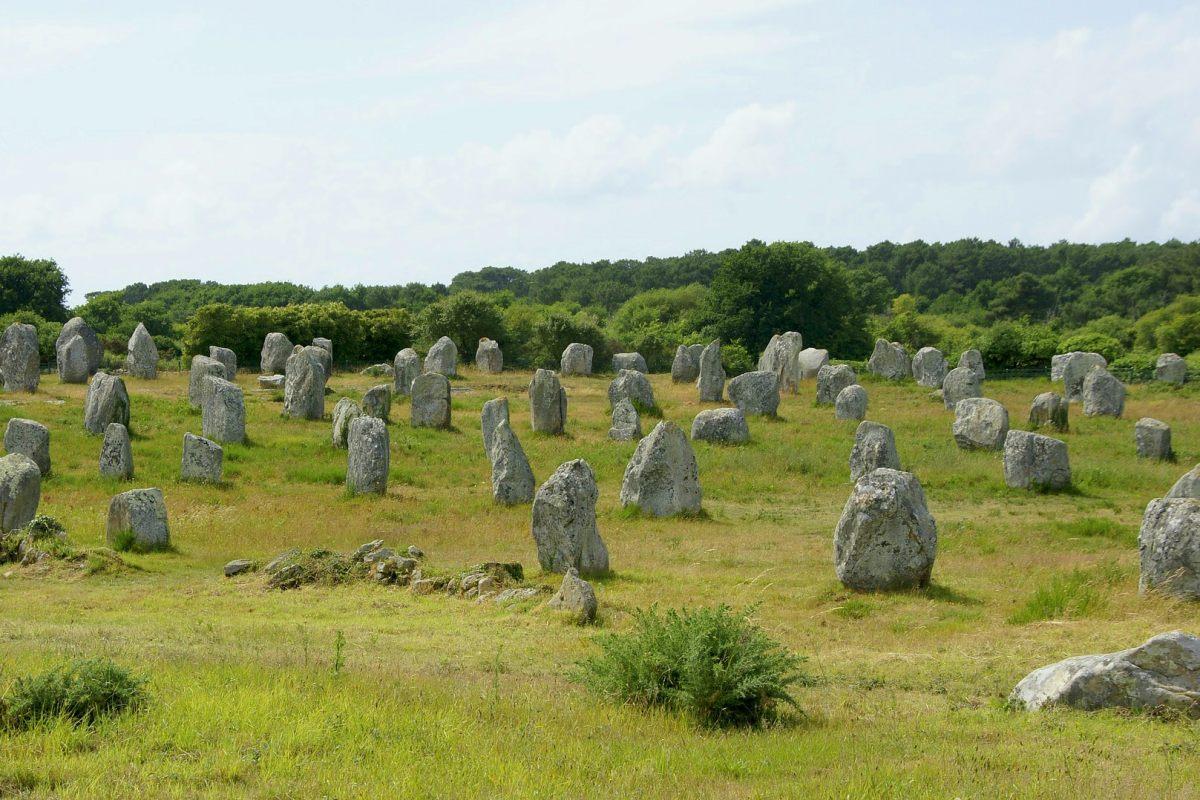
1017	303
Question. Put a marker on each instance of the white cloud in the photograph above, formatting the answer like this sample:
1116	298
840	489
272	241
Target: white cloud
1114	200
750	144
30	46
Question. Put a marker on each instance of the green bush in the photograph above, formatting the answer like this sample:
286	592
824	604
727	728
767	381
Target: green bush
736	359
713	664
81	692
1106	346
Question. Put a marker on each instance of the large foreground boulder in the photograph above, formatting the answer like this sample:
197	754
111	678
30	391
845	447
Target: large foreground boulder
94	350
711	382
1103	394
141	358
631	361
107	401
874	448
634	386
72	361
407	366
831	379
512	477
202	367
684	369
1161	674
886	538
781	357
442	358
137	520
626	422
304	385
276	350
980	424
851	403
1153	439
430	401
1049	410
721	426
810	360
564	521
662	478
20	491
1188	485
19	360
116	453
203	460
1169	546
29	438
369	456
223	418
1170	368
576	359
756	393
547	403
488	358
929	367
960	383
1033	461
889	360
1074	368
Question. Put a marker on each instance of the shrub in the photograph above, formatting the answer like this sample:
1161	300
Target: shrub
81	692
1106	346
713	664
736	359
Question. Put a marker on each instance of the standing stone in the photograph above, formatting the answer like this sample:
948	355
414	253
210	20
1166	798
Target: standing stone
345	412
874	448
721	426
138	518
442	358
1170	368
202	367
980	424
889	360
711	382
228	360
116	454
886	538
575	597
564	521
494	412
141	359
781	357
203	460
276	350
488	358
106	401
1075	368
1188	485
94	349
30	439
973	360
929	367
19	361
1049	410
407	367
1103	394
662	478
72	360
369	456
324	344
1153	439
1057	364
322	357
851	403
756	393
20	491
684	369
810	360
697	350
512	478
223	418
626	422
1169	545
633	386
630	361
547	403
304	386
831	379
576	359
960	383
377	402
1034	461
431	401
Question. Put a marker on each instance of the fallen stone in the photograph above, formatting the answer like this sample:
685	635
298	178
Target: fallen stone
238	566
272	381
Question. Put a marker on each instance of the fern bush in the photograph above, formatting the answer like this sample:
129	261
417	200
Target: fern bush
81	692
713	664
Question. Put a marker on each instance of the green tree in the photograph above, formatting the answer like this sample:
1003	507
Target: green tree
36	285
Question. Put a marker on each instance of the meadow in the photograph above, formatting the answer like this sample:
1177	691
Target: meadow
368	691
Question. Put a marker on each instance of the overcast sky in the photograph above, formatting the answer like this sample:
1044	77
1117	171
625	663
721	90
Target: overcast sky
387	142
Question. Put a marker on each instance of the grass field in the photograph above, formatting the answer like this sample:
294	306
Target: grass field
441	697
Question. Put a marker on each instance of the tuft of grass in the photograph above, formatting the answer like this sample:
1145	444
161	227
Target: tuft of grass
80	692
1077	594
1096	528
853	608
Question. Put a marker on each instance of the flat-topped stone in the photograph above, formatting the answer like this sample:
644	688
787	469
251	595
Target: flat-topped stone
1153	439
1170	368
721	426
430	406
576	359
137	519
203	460
756	393
223	418
1034	461
631	361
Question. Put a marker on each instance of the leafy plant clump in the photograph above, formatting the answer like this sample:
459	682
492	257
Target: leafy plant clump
713	664
81	692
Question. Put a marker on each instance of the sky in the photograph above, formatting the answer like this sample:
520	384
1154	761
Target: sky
388	142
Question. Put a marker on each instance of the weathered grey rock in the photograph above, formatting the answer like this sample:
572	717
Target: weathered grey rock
106	401
626	422
322	357
1170	368
575	597
1049	410
662	478
874	448
407	367
889	360
684	369
1161	674
980	424
697	350
973	360
138	518
576	359
756	393
116	454
886	538
1074	369
831	379
377	402
960	383
512	477
72	361
272	381
721	426
781	358
810	360
494	412
431	401
20	491
203	460
851	403
238	566
564	521
228	360
19	361
369	456
929	367
1057	364
547	403
141	357
442	358
29	438
1169	546
1153	439
202	367
1034	461
304	385
324	344
223	418
711	382
633	386
95	350
344	413
379	371
276	350
488	358
631	361
1188	485
1103	394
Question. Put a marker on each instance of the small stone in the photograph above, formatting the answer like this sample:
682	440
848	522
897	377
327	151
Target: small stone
106	402
238	566
442	358
282	560
711	383
1153	439
547	403
423	586
141	358
430	401
576	359
1033	461
377	402
831	379
272	381
886	538
721	426
363	550
379	371
202	460
1049	410
564	521
20	491
29	438
851	403
116	454
488	358
630	361
369	456
138	518
626	422
662	478
633	386
1170	368
1103	394
406	368
929	367
756	393
874	448
415	552
575	597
